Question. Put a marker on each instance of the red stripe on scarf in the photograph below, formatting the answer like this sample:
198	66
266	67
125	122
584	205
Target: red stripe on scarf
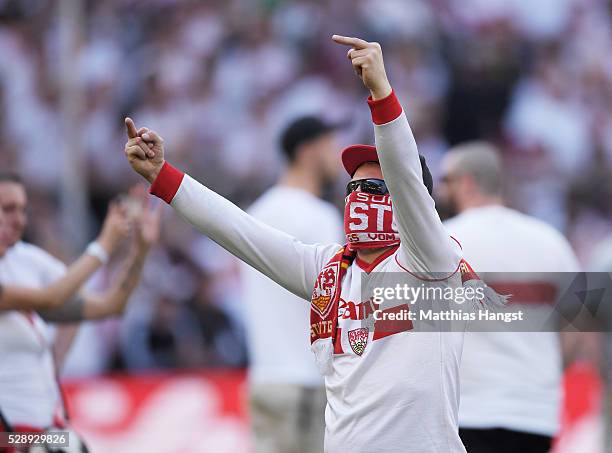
325	296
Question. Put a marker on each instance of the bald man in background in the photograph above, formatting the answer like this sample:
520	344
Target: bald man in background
510	381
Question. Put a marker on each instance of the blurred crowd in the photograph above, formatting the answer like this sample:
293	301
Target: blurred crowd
219	79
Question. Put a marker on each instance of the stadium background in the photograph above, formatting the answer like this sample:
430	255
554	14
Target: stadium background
219	79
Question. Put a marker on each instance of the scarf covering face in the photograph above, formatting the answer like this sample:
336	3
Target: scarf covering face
368	221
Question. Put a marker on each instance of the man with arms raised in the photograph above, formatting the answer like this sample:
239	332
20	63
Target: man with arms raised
386	391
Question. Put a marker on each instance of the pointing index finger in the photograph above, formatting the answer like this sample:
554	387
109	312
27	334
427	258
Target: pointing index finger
357	43
131	128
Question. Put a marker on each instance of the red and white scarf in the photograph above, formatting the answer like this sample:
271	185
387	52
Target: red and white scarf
326	294
324	307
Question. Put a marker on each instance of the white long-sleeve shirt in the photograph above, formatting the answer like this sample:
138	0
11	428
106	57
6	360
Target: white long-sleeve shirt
400	393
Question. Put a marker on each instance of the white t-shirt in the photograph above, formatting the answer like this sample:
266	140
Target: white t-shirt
272	312
28	388
401	394
511	380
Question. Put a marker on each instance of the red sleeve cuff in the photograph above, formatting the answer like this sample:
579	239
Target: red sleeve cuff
385	110
167	183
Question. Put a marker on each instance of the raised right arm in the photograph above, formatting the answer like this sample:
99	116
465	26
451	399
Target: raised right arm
284	259
289	262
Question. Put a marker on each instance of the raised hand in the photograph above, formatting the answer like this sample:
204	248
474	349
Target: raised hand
147	218
144	150
367	60
115	228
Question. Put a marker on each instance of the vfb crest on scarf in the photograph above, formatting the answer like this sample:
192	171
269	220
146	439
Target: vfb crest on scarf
325	288
358	339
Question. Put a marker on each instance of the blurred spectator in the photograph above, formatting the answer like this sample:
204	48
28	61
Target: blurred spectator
505	405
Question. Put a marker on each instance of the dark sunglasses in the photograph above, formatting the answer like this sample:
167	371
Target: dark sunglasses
373	186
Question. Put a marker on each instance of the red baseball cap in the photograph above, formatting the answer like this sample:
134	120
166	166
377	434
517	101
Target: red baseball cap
356	155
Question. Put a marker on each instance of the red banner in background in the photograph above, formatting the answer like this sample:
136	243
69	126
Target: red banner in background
206	412
164	413
581	423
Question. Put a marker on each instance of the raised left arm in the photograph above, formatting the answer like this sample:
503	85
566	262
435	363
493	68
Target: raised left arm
96	306
426	245
113	301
